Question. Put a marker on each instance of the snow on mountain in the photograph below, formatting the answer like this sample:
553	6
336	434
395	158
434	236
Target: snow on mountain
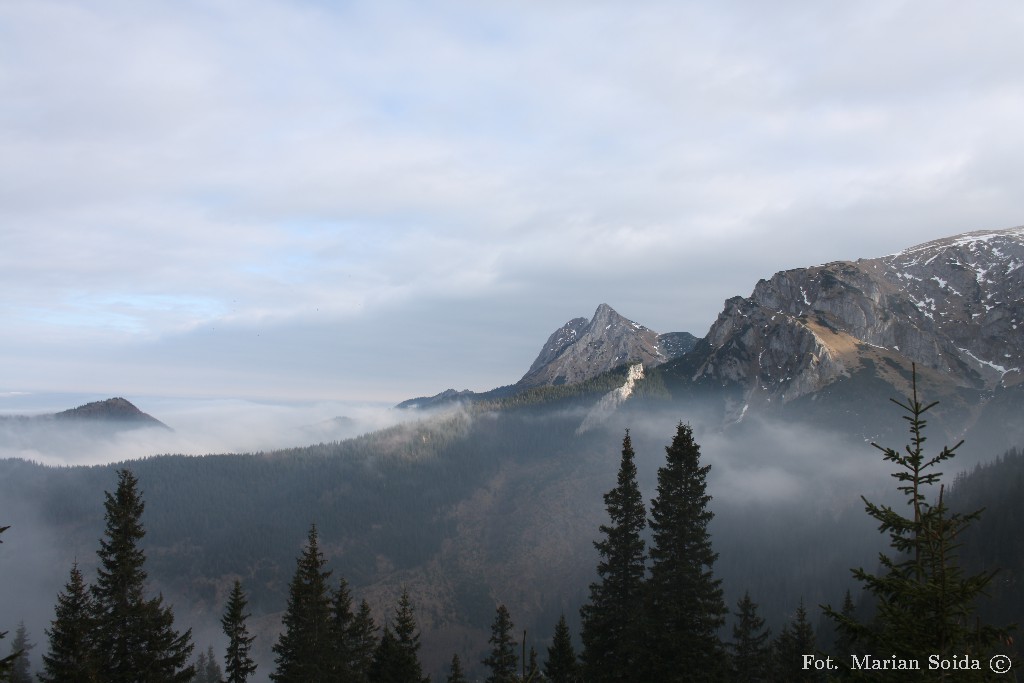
952	306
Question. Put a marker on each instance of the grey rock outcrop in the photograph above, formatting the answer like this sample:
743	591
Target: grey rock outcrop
580	350
952	305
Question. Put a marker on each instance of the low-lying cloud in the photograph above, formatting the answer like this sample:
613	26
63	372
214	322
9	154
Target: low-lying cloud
197	427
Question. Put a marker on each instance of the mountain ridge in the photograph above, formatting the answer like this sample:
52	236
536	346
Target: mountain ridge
811	319
949	307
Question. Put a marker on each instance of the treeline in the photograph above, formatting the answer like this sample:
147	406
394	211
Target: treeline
203	509
655	613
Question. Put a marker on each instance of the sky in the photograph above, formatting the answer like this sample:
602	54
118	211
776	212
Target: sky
369	201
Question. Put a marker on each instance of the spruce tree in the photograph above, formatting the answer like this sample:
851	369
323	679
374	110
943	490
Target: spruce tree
561	665
685	605
200	667
795	640
6	663
844	646
503	660
71	655
456	675
751	647
213	671
238	664
397	657
20	647
207	668
363	643
135	638
613	641
407	638
341	632
387	662
302	652
532	673
925	604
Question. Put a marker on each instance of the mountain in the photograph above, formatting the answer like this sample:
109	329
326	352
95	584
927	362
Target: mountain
577	352
111	415
445	397
581	350
837	333
88	431
498	499
118	410
951	305
826	344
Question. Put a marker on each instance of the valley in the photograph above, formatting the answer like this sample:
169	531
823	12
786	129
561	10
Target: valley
471	500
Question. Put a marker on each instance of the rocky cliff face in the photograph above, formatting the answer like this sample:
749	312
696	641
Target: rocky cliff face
580	350
951	306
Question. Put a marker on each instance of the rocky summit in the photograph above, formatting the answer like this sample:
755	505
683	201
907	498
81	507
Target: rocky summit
829	340
952	305
580	350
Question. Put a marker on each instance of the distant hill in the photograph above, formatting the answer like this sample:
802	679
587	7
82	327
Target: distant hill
77	431
111	410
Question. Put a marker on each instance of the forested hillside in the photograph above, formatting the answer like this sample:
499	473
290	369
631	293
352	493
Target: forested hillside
480	507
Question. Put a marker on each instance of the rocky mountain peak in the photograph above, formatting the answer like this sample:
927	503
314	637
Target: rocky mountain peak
951	305
582	349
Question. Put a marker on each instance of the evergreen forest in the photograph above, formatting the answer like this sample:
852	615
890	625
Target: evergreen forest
443	550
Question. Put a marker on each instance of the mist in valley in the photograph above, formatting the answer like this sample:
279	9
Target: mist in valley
504	506
197	426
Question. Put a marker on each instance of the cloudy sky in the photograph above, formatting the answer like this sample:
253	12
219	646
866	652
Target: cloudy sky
372	200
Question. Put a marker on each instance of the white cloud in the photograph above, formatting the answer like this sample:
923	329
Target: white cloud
173	168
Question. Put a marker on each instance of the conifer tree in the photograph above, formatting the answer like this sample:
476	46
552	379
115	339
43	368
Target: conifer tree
751	647
924	601
386	666
613	640
354	637
213	671
238	663
207	668
844	646
532	673
342	622
561	665
6	663
503	661
200	667
20	647
795	640
135	638
303	649
685	605
408	637
456	675
397	657
71	655
364	643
